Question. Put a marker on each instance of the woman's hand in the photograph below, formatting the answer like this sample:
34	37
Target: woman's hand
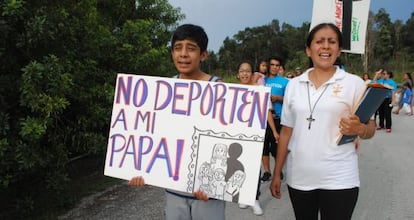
275	186
351	126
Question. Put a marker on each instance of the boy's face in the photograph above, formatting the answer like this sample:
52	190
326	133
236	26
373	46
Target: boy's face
187	56
274	66
386	75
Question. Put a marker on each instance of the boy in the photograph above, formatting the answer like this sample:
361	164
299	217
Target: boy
278	84
188	50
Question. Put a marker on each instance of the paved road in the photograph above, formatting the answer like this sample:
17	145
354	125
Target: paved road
387	187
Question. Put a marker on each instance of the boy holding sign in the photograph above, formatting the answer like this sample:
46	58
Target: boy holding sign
188	50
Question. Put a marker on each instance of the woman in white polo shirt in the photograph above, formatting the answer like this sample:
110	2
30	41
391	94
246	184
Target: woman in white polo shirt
322	177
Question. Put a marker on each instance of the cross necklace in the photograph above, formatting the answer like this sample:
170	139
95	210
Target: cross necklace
310	119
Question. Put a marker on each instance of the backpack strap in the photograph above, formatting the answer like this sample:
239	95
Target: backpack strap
214	78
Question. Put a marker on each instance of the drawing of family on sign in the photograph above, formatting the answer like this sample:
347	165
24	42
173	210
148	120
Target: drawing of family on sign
223	175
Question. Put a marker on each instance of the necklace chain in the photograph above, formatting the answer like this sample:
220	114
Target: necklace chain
310	119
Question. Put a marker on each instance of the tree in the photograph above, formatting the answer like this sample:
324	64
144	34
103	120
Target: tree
385	45
59	61
211	64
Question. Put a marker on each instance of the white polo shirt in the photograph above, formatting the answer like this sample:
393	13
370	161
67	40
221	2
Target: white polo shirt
314	160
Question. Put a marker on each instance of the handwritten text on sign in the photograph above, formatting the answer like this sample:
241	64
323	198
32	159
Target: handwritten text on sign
153	121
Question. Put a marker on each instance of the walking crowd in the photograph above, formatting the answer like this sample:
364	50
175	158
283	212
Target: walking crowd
308	110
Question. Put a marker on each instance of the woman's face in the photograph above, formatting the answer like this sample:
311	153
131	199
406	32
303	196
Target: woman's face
245	74
405	76
324	48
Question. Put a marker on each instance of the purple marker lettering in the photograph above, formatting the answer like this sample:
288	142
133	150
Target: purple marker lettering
243	105
145	118
167	93
131	142
219	102
140	93
206	100
123	91
154	115
161	146
195	92
114	148
236	92
261	108
141	147
120	117
179	97
179	154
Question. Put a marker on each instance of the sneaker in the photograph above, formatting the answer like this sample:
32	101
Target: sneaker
257	210
266	176
388	130
243	206
379	128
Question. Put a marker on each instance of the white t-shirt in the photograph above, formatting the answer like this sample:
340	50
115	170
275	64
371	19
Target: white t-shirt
314	160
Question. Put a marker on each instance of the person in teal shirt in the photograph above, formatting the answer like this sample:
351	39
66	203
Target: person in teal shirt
277	83
384	111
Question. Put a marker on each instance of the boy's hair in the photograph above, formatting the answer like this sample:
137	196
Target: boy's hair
191	32
407	84
281	62
245	61
390	73
259	61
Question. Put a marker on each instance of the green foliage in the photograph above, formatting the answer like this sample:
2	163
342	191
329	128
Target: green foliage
264	42
32	129
387	45
58	64
44	87
138	48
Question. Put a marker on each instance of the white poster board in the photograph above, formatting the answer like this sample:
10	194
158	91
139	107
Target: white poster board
187	135
332	11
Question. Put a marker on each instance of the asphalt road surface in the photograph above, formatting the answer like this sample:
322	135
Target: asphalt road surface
387	187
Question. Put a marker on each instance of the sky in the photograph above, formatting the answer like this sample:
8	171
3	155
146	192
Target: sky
225	18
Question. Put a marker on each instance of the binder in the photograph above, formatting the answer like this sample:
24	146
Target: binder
367	105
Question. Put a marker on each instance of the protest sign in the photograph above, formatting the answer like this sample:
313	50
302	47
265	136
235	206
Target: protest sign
188	135
350	16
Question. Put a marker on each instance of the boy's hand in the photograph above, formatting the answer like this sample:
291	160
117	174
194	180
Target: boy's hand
200	195
277	136
137	181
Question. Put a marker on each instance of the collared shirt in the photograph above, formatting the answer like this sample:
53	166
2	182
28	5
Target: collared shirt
314	160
